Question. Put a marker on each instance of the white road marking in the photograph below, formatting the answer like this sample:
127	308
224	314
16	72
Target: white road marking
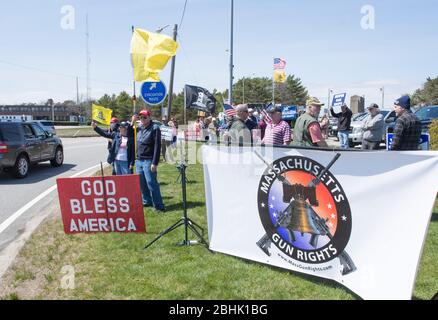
30	204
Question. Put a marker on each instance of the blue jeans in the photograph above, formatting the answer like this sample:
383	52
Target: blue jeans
121	167
343	139
150	189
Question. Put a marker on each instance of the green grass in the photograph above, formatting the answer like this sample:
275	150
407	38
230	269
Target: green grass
115	266
76	132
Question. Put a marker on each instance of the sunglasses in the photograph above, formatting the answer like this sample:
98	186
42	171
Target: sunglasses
143	118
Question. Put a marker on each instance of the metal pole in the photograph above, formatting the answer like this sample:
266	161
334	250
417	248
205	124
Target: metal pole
172	75
134	104
230	95
383	97
328	101
243	90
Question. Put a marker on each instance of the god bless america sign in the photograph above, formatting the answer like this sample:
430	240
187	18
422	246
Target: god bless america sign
101	204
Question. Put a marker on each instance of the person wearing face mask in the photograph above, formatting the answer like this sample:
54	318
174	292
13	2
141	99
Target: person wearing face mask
373	129
121	152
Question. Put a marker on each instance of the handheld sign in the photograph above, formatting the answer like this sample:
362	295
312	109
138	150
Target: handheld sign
338	99
153	93
96	204
423	143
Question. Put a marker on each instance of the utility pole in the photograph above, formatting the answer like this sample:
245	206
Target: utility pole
230	95
88	62
77	91
172	75
383	97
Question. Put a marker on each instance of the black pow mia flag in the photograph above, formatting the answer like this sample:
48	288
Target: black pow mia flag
200	99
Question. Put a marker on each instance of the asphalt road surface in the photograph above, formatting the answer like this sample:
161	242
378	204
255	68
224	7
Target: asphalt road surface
24	203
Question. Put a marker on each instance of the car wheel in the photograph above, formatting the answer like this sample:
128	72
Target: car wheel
21	168
58	160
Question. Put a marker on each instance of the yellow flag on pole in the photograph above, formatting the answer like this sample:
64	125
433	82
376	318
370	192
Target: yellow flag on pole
279	76
101	114
150	53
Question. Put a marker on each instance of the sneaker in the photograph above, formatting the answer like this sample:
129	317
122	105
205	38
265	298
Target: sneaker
147	205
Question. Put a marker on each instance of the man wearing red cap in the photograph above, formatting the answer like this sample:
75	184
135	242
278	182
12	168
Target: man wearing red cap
147	158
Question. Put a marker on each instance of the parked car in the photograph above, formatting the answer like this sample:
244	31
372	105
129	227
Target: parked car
356	130
48	126
425	114
26	143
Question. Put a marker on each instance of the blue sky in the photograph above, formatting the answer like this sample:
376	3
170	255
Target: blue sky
322	41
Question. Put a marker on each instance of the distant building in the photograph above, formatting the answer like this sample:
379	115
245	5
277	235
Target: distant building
41	112
357	104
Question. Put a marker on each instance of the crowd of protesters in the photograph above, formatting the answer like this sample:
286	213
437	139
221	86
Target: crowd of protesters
309	130
246	127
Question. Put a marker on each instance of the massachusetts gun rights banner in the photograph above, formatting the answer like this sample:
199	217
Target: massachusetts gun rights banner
101	204
359	218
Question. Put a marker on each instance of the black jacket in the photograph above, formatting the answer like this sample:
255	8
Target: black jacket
148	142
344	119
117	140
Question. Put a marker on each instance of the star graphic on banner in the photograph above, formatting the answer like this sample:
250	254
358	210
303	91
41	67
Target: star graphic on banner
330	225
271	206
333	216
344	218
275	214
329	206
263	205
273	198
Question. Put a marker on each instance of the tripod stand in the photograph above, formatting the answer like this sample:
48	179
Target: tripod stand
184	221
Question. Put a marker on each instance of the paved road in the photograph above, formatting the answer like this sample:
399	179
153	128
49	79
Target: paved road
17	215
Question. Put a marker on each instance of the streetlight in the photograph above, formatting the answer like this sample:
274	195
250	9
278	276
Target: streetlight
328	99
382	89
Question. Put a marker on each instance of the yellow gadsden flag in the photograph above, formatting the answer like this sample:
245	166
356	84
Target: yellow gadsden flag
101	114
279	76
150	53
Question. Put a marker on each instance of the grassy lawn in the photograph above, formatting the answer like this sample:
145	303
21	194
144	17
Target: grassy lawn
76	132
115	266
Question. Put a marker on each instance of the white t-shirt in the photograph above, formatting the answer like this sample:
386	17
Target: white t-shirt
122	155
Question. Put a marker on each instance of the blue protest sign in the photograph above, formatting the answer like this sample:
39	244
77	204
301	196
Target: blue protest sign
424	141
153	93
338	99
289	113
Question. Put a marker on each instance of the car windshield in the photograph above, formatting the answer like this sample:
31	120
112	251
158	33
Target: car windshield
47	123
427	113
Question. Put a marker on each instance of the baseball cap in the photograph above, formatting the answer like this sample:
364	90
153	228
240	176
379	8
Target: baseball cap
114	120
313	101
404	102
275	109
373	105
124	124
145	113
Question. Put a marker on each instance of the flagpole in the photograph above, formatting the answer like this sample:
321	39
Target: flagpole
273	86
230	95
172	75
134	104
185	107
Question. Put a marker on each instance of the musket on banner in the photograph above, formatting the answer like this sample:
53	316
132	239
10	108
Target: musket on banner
300	216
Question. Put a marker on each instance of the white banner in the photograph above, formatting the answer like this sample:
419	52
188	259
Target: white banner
359	218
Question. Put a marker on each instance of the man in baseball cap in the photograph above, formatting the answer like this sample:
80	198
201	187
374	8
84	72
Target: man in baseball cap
147	159
407	129
307	131
373	128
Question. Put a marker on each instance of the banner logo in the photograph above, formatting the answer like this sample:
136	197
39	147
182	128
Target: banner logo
305	212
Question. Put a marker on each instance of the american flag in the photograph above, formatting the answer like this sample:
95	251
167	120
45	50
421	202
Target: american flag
265	113
229	110
279	64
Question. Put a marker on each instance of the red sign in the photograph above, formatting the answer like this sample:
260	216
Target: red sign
101	204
